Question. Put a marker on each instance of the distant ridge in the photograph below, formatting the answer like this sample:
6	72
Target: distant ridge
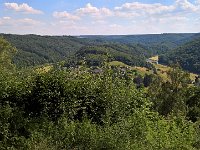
187	55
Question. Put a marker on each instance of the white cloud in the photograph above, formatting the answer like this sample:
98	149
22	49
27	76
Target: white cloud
94	11
25	8
88	9
170	19
106	11
23	26
28	22
5	21
65	15
137	8
127	14
115	26
145	8
8	21
197	2
99	22
64	27
6	18
186	5
129	18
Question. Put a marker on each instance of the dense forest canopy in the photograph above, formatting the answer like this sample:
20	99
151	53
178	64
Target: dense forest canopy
36	50
132	55
157	43
7	51
70	108
146	38
187	55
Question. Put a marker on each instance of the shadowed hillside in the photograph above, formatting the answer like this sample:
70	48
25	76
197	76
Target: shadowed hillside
187	55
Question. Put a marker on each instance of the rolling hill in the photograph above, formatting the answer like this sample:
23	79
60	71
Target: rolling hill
156	43
132	50
187	55
36	50
97	55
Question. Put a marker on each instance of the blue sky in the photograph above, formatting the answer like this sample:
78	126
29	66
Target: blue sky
77	17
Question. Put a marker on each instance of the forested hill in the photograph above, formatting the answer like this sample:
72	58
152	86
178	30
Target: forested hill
188	55
7	51
35	50
131	49
145	38
132	55
157	43
112	108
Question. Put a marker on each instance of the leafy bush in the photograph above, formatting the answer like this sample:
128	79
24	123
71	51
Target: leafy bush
80	110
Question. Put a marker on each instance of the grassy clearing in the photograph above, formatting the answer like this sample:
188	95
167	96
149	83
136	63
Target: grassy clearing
193	76
117	63
44	69
155	58
161	69
142	70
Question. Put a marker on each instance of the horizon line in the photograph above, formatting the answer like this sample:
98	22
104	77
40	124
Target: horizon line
103	34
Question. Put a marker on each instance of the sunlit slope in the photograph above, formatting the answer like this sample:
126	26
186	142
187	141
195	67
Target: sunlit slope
36	50
7	51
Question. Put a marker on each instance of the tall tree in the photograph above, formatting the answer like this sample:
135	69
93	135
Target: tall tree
169	96
6	53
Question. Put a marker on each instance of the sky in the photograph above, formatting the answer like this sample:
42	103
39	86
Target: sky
99	17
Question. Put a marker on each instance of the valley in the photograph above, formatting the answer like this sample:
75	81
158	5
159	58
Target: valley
100	75
119	92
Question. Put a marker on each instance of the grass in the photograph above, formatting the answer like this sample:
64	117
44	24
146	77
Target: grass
161	69
142	70
193	76
44	69
117	63
155	58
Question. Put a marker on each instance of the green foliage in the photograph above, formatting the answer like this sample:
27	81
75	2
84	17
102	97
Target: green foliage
13	128
132	50
172	134
193	102
80	110
52	49
154	43
188	56
170	97
148	79
76	109
36	50
97	55
6	54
